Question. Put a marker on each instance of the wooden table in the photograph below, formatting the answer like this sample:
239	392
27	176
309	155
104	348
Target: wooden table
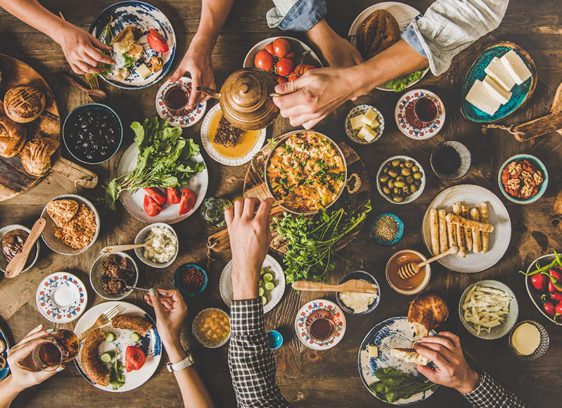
307	378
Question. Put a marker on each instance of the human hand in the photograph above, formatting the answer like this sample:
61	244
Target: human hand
198	63
170	311
249	240
337	51
23	377
82	50
451	369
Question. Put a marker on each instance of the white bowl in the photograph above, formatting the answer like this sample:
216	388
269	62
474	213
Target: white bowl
360	110
141	236
56	244
411	197
95	277
4	231
297	46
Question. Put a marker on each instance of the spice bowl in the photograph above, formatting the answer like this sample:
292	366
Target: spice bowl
141	239
387	229
542	347
34	255
450	160
366	277
190	279
412	285
274	339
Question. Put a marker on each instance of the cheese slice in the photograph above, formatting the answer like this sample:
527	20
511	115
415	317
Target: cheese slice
496	91
373	351
500	74
516	67
479	97
356	122
367	134
143	71
370	119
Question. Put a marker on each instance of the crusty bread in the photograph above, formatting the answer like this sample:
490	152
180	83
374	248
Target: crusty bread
426	313
36	155
89	358
409	355
12	137
376	33
24	104
132	322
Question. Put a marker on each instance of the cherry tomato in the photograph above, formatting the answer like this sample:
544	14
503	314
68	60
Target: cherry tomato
556	296
134	358
551	287
154	193
281	47
284	67
293	77
264	60
156	41
172	195
281	80
291	55
539	282
549	308
150	207
558	308
300	70
269	48
187	202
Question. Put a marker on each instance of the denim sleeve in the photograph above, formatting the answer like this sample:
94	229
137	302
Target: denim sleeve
411	38
296	15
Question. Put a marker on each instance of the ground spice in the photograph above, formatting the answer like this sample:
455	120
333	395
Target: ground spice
386	228
192	280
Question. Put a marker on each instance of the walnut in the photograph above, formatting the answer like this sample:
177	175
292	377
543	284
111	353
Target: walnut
537	177
513	184
513	168
527	191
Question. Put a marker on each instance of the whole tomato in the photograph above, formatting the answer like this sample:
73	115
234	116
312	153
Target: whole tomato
284	67
269	48
539	282
558	308
293	77
264	60
281	47
549	308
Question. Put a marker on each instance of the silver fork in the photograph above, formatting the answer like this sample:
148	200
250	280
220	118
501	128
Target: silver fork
101	321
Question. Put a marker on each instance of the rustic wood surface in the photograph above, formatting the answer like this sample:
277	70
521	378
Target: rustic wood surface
308	378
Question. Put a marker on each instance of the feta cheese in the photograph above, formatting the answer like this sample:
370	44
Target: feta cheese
373	351
516	67
479	97
356	122
358	302
143	71
499	73
496	91
163	245
367	134
370	119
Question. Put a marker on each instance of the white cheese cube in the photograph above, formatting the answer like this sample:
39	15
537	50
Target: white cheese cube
496	91
367	134
370	119
373	351
143	71
499	73
356	122
479	97
516	67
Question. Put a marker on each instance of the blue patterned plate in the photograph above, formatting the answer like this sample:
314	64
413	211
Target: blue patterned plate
144	16
394	332
61	297
4	354
520	93
324	307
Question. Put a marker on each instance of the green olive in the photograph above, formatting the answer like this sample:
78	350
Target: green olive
395	162
386	190
409	180
392	173
415	169
409	164
396	190
384	178
399	183
397	199
390	183
413	188
385	169
418	176
406	172
402	165
406	190
399	178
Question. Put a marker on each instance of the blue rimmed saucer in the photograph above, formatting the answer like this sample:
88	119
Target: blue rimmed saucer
61	297
185	118
399	234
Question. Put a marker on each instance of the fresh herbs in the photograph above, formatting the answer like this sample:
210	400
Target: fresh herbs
116	376
129	62
395	385
311	241
399	84
165	159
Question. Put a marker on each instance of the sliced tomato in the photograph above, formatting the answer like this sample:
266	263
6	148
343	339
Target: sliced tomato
156	195
187	201
134	358
150	206
172	195
156	41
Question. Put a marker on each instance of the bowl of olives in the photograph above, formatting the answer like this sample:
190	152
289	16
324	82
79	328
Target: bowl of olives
400	180
92	133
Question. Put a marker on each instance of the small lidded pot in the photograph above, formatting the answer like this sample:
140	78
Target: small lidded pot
245	99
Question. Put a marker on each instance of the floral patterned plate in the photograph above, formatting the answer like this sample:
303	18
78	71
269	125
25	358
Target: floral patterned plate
61	297
188	118
413	132
314	307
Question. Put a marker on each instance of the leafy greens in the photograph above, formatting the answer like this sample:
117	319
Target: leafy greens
165	159
399	84
395	385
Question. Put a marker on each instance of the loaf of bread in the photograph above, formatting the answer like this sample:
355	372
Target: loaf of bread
12	137
24	104
36	155
376	33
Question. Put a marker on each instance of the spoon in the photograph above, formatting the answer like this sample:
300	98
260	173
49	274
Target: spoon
128	287
124	247
352	285
411	269
18	262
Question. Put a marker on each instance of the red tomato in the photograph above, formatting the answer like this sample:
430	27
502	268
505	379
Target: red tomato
551	287
284	67
156	41
539	282
172	195
290	55
150	206
187	201
154	193
264	60
134	358
293	77
556	296
281	80
281	47
269	48
302	69
558	308
549	308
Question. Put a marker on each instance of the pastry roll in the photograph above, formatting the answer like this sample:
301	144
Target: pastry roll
467	232
434	228
459	231
443	243
476	237
484	217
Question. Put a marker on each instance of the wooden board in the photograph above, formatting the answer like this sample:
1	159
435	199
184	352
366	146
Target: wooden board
254	186
13	178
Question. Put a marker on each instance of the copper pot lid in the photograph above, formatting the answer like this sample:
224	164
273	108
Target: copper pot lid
245	99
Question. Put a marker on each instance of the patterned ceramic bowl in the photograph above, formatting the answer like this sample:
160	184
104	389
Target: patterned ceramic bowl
197	328
411	131
361	110
398	236
184	119
464	156
541	348
61	297
320	308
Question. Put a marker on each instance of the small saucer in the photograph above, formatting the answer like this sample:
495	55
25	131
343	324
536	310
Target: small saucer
413	132
185	120
315	306
61	297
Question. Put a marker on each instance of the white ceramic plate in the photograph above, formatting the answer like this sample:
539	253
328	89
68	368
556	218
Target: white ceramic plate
150	344
61	297
337	317
215	155
271	265
411	197
297	46
185	120
473	195
170	213
403	13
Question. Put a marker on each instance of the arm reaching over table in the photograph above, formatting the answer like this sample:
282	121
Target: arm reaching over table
251	363
452	370
82	50
447	28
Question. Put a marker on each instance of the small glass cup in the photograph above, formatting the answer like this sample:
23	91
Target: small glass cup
176	98
48	355
212	210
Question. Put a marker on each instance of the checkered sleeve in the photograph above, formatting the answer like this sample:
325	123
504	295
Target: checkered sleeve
251	363
490	394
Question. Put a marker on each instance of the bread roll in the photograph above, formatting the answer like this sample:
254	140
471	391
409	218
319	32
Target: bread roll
470	223
434	228
12	137
36	155
376	33
484	217
443	243
460	231
476	238
467	231
24	104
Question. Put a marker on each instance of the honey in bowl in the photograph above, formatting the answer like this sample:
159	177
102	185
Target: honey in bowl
411	285
244	144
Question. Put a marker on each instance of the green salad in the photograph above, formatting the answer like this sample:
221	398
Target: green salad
394	384
399	84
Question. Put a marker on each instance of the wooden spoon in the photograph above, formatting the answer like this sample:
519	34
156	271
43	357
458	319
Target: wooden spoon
17	264
411	269
352	285
124	247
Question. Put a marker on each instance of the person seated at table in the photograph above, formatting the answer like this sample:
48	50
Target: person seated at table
82	50
446	28
294	15
251	363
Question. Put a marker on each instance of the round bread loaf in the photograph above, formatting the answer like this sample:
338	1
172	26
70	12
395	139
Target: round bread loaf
376	33
12	137
24	104
36	155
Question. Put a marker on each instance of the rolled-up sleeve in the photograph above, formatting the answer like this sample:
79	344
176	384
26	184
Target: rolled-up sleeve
449	26
296	15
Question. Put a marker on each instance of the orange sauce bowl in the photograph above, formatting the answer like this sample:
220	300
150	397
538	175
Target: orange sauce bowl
412	285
